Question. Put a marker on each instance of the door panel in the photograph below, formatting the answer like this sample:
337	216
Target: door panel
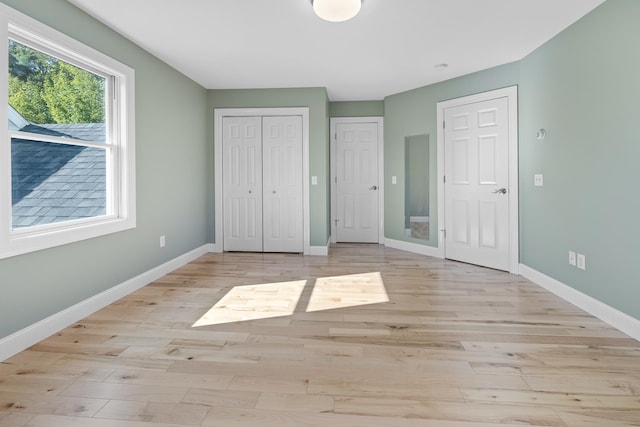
357	182
242	178
282	198
476	169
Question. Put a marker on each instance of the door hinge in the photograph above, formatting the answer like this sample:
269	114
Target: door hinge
444	179
444	124
444	234
335	179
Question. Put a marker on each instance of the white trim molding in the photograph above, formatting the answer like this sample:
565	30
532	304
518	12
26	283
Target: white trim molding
413	247
35	333
619	320
319	250
219	114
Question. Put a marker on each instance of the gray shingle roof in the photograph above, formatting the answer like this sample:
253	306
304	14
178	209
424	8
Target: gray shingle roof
84	131
57	182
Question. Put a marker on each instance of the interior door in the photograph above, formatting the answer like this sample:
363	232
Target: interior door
357	183
477	183
282	184
242	183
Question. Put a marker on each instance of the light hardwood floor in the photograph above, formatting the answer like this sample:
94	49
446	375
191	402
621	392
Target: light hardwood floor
368	336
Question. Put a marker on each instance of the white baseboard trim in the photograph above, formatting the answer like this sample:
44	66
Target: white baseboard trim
413	247
619	320
35	333
318	250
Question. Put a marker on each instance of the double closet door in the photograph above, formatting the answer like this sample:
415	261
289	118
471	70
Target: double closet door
262	184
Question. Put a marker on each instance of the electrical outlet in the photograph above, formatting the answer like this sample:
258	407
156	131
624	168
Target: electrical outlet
572	258
538	180
162	241
582	262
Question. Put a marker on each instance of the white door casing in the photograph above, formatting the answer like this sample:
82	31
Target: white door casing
242	183
219	116
356	213
282	184
478	192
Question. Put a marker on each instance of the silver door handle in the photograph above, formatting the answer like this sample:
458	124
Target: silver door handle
249	191
374	188
500	191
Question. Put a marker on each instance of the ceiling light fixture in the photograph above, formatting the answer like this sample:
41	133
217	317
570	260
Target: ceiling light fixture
336	10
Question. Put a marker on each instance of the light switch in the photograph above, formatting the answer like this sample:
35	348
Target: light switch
394	179
314	180
538	180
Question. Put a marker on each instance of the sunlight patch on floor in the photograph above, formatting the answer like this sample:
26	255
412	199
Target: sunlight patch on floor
265	301
347	291
254	302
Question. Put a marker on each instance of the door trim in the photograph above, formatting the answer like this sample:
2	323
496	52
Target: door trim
511	93
219	113
334	121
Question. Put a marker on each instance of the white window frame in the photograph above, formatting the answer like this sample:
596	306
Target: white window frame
120	132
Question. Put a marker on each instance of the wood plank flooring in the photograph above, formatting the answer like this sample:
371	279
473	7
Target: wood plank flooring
368	336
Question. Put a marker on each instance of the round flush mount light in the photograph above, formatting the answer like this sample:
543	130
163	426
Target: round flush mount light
336	10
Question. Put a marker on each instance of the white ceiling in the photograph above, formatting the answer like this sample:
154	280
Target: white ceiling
390	47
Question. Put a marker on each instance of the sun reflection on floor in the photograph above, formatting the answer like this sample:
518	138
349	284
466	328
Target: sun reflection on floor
347	291
264	301
253	302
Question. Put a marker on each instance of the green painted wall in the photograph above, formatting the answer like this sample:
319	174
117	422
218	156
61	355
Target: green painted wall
171	151
583	88
317	101
413	113
356	109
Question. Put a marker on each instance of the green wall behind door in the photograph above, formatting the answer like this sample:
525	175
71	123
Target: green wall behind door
318	103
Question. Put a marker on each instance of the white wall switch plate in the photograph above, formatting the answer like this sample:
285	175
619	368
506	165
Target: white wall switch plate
394	179
538	180
582	262
162	241
314	180
572	258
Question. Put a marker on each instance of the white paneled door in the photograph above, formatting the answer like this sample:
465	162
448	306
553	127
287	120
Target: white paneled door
242	183
476	138
357	183
282	184
262	184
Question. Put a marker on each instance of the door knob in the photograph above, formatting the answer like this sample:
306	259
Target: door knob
500	191
249	191
375	187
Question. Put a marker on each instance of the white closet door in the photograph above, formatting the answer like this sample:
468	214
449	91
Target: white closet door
282	184
242	183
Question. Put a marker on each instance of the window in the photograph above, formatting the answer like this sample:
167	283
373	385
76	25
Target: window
67	153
